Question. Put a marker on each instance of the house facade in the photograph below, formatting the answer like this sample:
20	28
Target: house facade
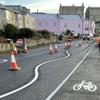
58	24
93	13
72	10
70	22
89	27
29	22
46	22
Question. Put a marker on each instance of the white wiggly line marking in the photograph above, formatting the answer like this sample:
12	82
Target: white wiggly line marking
3	60
63	82
34	79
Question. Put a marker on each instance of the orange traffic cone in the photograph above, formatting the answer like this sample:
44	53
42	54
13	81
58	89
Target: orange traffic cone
50	49
13	65
26	50
65	45
56	48
68	44
15	51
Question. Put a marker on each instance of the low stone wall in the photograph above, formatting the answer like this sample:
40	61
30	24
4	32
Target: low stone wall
5	47
30	43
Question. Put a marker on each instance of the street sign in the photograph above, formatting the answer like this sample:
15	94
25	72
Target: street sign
19	42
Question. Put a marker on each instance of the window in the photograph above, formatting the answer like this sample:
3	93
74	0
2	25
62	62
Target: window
40	23
54	23
46	23
79	25
65	26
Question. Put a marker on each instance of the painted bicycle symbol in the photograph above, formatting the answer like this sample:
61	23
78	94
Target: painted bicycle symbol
86	85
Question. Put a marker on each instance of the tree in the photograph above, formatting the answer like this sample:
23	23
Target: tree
45	34
25	33
1	33
10	31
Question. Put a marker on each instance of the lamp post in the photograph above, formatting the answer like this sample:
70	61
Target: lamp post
82	26
88	27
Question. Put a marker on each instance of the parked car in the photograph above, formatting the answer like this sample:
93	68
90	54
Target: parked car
76	35
85	37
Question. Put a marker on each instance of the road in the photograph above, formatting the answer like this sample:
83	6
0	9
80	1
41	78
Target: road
51	73
89	70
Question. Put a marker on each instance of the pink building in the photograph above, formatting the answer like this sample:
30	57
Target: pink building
70	22
48	22
89	27
60	23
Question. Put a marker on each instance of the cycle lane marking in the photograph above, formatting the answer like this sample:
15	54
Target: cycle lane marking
87	85
63	82
34	79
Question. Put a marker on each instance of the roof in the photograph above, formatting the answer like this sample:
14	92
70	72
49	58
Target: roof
55	16
6	8
93	7
72	6
44	16
71	17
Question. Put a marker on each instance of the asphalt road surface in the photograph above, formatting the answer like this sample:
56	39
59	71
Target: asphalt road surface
84	84
51	74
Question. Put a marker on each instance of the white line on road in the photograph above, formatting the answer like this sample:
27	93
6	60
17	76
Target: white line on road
34	79
3	60
63	82
89	47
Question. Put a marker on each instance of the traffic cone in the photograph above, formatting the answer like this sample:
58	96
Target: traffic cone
26	50
80	44
13	65
65	45
56	48
68	44
15	51
50	49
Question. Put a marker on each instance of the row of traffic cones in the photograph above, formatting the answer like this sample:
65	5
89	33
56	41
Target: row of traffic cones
51	50
13	65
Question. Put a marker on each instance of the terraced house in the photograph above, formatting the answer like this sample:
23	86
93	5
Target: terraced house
58	24
28	21
17	18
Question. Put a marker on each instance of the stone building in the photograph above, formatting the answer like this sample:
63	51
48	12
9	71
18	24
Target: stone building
72	10
19	8
24	18
7	16
93	13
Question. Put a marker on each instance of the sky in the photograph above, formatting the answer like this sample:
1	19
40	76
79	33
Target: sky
50	6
